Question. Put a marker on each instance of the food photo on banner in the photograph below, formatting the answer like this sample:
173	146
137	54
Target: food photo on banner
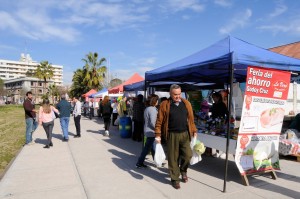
261	121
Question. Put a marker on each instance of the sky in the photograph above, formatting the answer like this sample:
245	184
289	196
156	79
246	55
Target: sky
136	36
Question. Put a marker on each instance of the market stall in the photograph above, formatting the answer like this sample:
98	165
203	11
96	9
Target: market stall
226	61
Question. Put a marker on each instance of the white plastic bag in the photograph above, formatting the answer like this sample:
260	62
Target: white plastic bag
159	156
196	157
117	121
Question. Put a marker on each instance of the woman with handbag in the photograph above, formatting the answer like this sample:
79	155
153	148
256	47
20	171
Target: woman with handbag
150	115
46	119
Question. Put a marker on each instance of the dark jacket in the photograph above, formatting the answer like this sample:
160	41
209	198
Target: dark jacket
28	107
106	110
161	126
219	110
138	111
64	108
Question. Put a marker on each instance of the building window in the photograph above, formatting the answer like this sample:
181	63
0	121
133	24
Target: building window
40	84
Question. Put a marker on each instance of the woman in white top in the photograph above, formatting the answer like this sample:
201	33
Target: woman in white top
46	119
114	106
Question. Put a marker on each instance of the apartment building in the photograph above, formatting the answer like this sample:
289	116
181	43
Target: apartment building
17	84
17	69
17	88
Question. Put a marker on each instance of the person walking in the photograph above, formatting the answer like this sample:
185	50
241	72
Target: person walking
64	107
106	111
150	115
46	119
77	116
138	119
175	120
30	118
114	106
91	104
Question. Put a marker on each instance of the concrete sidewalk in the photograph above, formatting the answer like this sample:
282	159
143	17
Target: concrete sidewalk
95	166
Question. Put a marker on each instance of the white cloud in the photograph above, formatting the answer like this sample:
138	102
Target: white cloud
223	3
180	5
239	21
279	9
292	27
63	20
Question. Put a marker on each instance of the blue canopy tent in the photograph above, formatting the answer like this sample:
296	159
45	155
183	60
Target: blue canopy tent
99	93
223	62
165	86
212	64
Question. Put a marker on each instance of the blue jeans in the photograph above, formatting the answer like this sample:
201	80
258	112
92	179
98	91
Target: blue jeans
148	147
31	125
64	123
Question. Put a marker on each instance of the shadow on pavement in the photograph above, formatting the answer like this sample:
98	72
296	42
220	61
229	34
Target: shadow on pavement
122	158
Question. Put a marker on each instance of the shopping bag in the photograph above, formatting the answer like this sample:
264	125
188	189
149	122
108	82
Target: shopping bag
117	121
198	149
159	156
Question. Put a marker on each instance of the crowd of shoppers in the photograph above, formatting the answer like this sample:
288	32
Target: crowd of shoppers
172	120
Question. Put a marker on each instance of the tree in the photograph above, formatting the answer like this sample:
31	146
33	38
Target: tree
115	82
94	71
53	92
44	71
2	90
78	87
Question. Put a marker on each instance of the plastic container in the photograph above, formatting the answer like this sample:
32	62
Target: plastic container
125	127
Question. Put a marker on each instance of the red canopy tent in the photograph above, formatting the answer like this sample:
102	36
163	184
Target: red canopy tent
133	79
86	95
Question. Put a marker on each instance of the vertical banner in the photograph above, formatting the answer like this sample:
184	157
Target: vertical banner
261	121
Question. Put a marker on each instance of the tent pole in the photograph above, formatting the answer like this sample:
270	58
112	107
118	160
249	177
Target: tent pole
145	98
228	124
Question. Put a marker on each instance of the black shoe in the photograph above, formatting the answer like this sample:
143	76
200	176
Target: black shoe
65	140
51	144
77	136
46	147
184	177
176	184
141	165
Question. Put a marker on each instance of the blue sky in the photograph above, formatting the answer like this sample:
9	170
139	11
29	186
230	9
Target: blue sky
137	35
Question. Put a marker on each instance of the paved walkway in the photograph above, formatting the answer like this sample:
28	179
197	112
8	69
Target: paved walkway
95	166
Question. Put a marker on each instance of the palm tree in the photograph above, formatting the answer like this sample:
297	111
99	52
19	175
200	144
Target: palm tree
78	87
94	71
53	92
44	71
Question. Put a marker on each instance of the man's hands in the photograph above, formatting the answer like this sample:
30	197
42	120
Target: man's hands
157	140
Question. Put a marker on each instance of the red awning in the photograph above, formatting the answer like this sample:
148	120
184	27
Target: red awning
133	79
92	91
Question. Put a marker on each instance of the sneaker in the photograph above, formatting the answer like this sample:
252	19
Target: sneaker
141	165
31	143
216	155
106	133
223	156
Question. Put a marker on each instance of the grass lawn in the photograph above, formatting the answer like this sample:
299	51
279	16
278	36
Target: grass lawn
12	133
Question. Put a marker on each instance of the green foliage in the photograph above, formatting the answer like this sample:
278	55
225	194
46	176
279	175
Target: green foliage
94	71
91	76
44	71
